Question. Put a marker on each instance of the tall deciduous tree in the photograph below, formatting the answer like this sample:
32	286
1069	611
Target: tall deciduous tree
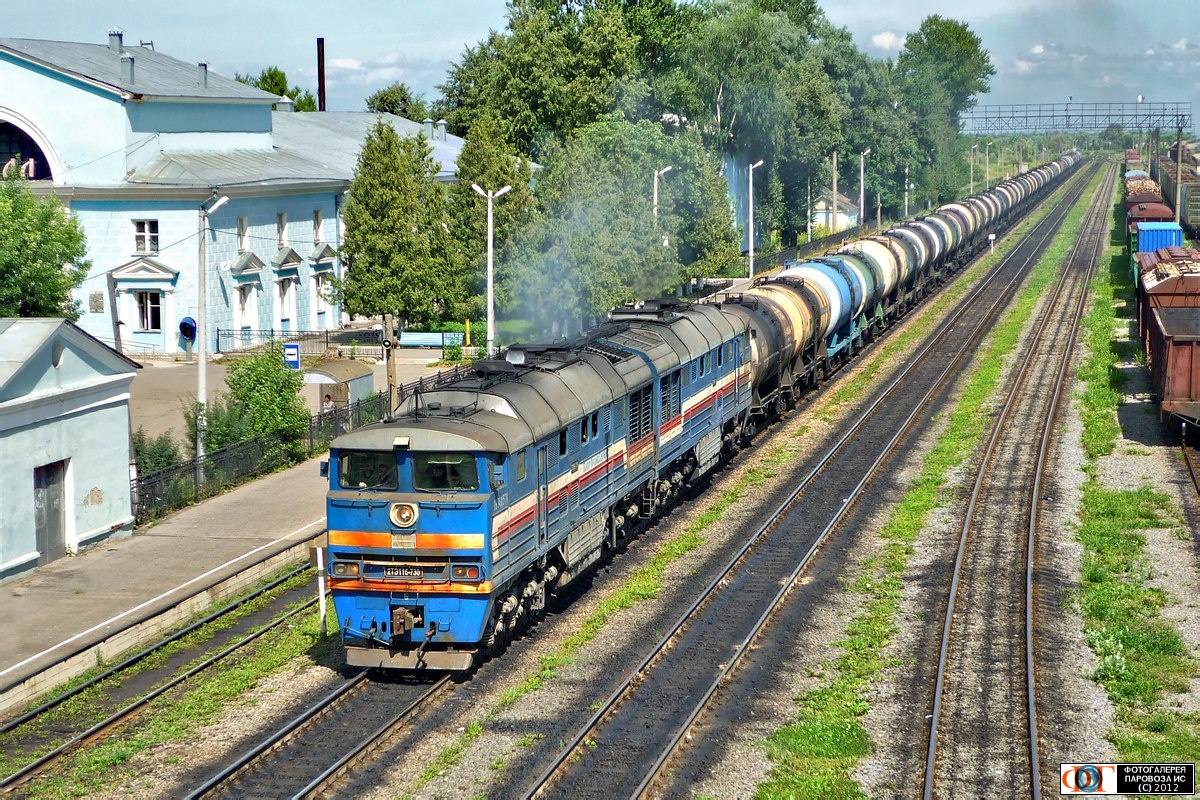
42	253
399	99
275	81
397	245
949	51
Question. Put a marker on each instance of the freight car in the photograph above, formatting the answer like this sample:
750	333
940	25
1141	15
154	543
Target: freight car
450	523
1169	326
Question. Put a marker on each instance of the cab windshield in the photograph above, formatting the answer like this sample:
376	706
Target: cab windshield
366	470
441	472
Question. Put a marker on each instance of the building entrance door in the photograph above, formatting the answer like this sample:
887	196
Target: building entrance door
49	511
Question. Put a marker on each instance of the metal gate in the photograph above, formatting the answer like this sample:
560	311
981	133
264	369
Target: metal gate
49	511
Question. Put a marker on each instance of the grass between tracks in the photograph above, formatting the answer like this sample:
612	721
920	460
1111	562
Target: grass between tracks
172	717
816	756
645	584
1140	656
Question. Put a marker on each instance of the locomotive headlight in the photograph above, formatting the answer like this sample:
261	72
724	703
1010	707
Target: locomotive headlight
345	569
404	515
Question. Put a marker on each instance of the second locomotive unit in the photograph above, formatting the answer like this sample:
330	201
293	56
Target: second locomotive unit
449	524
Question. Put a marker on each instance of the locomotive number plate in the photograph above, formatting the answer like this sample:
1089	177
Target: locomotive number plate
402	572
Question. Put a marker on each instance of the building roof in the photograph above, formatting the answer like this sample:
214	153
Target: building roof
23	337
309	147
203	169
335	138
843	201
154	74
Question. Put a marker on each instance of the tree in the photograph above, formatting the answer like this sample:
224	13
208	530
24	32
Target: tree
42	253
263	398
274	80
397	247
950	52
596	243
400	100
547	75
491	162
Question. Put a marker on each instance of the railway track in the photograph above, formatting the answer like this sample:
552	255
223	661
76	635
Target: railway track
43	736
1191	458
301	758
627	745
983	727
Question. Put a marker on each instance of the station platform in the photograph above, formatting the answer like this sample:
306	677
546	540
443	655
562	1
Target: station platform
78	611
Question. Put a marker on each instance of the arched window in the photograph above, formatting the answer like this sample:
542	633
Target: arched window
16	144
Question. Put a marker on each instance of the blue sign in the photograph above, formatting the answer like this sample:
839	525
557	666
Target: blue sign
291	356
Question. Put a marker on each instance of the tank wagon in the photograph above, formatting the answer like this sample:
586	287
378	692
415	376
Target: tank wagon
450	523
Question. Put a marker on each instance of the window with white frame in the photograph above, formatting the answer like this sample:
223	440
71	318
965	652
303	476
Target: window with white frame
318	222
287	300
149	307
145	236
281	228
320	287
247	306
243	235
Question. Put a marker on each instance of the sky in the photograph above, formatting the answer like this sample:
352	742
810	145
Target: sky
1043	50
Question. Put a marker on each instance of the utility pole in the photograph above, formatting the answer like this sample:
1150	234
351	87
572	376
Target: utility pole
906	192
389	354
808	226
750	216
833	220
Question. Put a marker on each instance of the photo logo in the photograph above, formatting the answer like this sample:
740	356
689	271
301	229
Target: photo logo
1087	779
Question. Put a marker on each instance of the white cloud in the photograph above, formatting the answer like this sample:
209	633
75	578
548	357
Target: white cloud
1037	49
1181	45
887	41
1022	67
345	63
1149	53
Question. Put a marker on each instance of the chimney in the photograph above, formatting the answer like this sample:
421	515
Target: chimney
320	73
127	67
284	103
441	130
115	37
203	65
428	129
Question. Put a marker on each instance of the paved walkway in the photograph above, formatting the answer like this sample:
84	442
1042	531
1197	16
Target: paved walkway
162	388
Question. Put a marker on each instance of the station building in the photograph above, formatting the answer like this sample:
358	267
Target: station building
140	145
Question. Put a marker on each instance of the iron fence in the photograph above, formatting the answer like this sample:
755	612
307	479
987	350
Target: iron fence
366	341
157	493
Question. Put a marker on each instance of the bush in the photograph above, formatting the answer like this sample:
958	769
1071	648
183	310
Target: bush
152	455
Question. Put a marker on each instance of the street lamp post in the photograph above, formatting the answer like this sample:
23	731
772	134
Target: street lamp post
987	165
974	147
202	333
750	215
862	195
491	308
657	174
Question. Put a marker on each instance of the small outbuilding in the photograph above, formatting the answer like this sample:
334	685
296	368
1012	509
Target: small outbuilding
345	380
64	442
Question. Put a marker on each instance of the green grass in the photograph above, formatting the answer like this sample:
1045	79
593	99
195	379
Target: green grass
816	756
1141	659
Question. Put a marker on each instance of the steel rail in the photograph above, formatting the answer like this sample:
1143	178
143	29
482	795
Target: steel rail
15	722
227	774
543	780
1190	460
322	781
977	489
28	771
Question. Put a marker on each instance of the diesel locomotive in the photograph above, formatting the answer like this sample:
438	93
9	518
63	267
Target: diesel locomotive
451	523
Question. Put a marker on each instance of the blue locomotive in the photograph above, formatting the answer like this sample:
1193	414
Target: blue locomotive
449	524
